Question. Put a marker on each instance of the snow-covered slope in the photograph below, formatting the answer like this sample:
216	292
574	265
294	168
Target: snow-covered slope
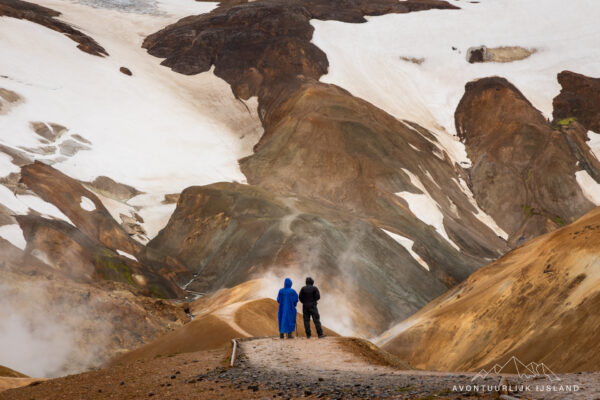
156	130
370	62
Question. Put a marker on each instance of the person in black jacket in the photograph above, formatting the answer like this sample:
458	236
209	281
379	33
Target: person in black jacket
309	295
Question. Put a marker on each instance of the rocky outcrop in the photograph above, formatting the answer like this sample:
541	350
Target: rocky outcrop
115	190
501	54
68	195
47	17
257	45
523	171
8	99
579	100
538	303
63	247
95	237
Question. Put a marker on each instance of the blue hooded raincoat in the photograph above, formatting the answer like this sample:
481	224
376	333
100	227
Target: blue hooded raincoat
287	299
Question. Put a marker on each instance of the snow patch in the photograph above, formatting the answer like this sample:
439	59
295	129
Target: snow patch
594	143
20	204
9	200
407	244
414	147
424	207
155	214
14	234
43	207
589	187
6	165
87	204
125	254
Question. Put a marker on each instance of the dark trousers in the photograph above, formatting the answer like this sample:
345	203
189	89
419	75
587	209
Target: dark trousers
307	312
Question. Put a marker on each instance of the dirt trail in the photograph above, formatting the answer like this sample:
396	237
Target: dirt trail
339	367
316	355
268	368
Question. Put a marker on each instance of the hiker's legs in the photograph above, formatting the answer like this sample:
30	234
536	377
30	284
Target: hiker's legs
317	320
306	317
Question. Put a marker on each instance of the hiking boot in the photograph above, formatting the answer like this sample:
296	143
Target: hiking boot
290	336
281	336
308	336
322	336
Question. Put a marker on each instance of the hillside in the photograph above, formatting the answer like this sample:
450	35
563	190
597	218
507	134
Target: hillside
538	303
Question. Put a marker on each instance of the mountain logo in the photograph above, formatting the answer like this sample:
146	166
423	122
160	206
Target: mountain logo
529	371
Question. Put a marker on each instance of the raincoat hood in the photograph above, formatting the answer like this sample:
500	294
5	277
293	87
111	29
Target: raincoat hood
287	299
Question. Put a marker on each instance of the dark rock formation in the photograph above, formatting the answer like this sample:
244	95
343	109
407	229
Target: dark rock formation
523	171
49	131
263	43
62	246
126	71
115	190
578	100
8	98
99	229
476	55
47	17
66	194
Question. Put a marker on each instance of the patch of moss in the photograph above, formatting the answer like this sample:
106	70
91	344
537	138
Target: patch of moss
530	211
558	220
566	121
121	271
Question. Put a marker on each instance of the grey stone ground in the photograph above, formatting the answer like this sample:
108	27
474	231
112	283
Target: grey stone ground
298	368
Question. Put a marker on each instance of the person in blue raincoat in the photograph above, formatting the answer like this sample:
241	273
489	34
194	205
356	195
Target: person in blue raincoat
287	299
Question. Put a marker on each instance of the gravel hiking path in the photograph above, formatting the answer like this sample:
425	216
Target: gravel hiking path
338	367
269	368
316	355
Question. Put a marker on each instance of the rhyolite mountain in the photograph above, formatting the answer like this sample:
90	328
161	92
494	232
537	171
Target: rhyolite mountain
523	171
223	157
539	302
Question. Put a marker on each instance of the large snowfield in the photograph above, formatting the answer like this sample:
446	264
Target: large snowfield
367	59
160	131
157	130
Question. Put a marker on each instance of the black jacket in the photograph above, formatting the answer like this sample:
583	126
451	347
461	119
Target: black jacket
309	295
